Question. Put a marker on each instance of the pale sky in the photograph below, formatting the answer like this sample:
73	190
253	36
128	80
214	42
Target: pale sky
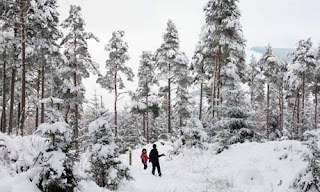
281	23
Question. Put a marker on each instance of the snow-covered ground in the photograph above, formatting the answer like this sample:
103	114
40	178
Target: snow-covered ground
248	167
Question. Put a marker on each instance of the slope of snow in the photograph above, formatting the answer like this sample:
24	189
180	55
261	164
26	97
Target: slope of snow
248	167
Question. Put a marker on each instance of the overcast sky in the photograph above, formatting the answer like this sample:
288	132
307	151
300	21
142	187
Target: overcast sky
280	23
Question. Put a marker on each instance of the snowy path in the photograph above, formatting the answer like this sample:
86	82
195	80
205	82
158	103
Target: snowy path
174	177
248	167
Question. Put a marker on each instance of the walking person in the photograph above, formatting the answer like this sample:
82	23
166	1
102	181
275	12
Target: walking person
144	158
154	159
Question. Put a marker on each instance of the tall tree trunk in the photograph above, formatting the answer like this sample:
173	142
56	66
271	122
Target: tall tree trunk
76	126
42	90
4	118
298	107
38	93
303	98
144	123
67	114
13	76
219	83
200	107
147	118
281	109
169	102
214	85
268	110
23	94
316	106
19	117
115	105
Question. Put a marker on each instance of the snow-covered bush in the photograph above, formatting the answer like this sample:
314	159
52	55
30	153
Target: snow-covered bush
130	132
309	179
234	125
193	134
56	162
106	169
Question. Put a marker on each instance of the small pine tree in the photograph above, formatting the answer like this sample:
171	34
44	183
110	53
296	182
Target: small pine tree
106	169
56	161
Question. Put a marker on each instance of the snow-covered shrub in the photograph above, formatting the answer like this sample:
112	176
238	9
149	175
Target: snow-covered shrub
130	132
106	169
309	179
234	125
193	134
56	162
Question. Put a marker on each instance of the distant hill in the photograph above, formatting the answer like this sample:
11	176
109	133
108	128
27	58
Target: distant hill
282	53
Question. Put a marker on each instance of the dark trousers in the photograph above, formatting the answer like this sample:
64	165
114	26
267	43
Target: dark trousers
154	166
145	166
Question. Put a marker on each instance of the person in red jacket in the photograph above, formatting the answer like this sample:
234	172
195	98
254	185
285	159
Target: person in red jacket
144	158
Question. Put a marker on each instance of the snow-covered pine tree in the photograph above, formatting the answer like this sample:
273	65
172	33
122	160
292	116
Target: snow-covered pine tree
202	65
56	161
166	58
106	169
117	51
6	38
78	64
146	75
274	71
309	179
228	44
44	33
183	81
300	77
315	87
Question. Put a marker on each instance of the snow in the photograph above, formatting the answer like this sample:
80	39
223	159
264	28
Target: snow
248	167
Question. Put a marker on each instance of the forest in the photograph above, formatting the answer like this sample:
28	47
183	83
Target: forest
57	139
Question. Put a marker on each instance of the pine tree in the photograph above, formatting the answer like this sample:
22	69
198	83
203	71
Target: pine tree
113	79
106	170
300	76
146	77
183	81
201	65
78	65
167	56
56	161
228	44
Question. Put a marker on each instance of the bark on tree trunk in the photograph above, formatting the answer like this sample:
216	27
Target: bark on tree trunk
144	123
4	118
268	111
214	86
281	109
76	128
13	76
37	107
23	94
200	107
147	119
219	83
42	91
19	117
169	102
303	98
115	105
67	114
316	106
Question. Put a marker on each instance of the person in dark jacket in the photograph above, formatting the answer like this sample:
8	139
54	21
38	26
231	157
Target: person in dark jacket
154	159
